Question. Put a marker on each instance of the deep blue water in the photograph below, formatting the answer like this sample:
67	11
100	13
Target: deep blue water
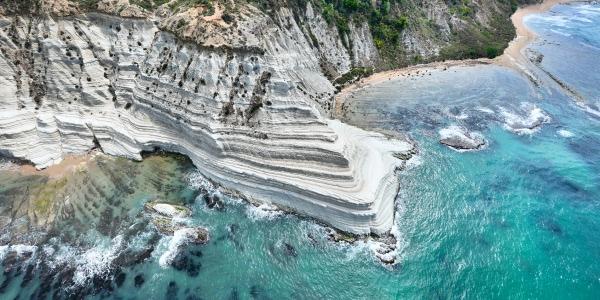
518	219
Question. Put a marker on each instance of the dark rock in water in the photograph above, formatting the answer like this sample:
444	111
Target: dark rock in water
28	275
101	284
120	278
138	280
196	253
198	235
289	250
257	292
234	294
335	236
385	251
172	290
4	285
551	226
130	257
459	138
406	155
13	261
143	255
183	262
46	278
312	239
214	201
192	297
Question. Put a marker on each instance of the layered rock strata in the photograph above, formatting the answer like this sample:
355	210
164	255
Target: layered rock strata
249	115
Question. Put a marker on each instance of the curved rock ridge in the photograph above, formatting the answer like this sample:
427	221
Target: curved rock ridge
250	122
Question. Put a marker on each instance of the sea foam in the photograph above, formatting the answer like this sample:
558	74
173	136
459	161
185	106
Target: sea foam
528	122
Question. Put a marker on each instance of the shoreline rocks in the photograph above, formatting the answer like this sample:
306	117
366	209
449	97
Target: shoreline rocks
168	210
166	218
459	138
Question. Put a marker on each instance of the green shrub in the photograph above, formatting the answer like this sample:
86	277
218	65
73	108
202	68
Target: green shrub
400	23
379	43
351	5
353	74
148	4
492	51
465	11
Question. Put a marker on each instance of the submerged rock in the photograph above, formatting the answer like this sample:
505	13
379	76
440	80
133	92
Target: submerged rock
289	250
172	290
214	201
198	235
183	262
459	138
138	280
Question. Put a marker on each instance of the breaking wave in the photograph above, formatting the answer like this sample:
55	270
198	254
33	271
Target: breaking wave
526	121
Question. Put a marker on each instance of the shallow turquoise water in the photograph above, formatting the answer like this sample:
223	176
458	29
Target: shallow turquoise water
518	219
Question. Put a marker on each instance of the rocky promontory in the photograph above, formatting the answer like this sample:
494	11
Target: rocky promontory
251	121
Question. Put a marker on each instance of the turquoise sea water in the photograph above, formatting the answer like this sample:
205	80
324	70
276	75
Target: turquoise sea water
518	219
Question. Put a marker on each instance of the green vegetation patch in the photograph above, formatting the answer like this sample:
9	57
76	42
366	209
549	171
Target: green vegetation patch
182	4
355	73
148	4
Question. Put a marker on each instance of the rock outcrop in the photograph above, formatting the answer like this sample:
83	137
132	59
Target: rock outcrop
248	109
459	138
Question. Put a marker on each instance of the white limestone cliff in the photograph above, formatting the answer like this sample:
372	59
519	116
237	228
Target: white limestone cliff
249	114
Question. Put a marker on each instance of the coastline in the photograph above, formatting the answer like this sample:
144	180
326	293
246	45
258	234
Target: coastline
512	54
510	58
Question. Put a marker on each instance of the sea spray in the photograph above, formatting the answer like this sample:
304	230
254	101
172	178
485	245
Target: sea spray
264	211
565	133
96	261
526	121
180	238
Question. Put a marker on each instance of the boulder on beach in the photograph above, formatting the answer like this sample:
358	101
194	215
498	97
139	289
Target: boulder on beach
459	138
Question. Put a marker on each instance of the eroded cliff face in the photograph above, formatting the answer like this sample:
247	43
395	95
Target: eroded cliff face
247	108
244	92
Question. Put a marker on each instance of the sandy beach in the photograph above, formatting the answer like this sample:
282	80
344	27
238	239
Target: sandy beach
512	54
511	57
